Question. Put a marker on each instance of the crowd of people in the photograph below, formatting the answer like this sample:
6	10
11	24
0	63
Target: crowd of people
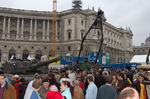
76	84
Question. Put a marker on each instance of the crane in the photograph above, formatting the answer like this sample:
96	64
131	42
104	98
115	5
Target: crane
53	36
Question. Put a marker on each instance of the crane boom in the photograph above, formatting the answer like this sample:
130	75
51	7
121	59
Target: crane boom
53	36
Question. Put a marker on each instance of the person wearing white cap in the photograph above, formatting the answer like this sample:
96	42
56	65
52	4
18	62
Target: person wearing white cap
65	88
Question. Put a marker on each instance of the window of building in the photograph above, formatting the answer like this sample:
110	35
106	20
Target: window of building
26	23
45	47
58	35
13	35
19	47
39	36
13	24
82	22
38	54
26	35
12	54
69	21
69	34
25	54
98	33
69	48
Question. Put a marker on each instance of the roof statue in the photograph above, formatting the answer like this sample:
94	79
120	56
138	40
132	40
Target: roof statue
77	4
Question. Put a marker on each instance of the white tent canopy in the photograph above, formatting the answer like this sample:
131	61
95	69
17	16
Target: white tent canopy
139	59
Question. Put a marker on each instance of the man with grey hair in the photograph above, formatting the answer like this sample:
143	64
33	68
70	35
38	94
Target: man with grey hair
30	89
129	93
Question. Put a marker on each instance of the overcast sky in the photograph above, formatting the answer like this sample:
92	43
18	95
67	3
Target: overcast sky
121	13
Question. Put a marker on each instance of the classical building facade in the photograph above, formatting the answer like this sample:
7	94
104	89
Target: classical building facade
25	32
143	49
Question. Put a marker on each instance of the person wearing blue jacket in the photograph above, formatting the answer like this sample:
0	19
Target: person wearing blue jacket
36	85
65	89
91	91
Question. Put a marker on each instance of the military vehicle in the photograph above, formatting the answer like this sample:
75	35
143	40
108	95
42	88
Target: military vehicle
27	67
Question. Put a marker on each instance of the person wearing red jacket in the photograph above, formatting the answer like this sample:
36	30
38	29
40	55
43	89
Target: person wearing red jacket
53	93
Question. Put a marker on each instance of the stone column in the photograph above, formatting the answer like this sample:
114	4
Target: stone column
35	27
4	26
22	28
47	36
8	30
43	30
18	29
31	29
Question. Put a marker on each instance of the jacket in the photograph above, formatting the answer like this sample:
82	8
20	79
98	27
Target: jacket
91	91
54	95
136	85
35	95
78	93
9	92
67	93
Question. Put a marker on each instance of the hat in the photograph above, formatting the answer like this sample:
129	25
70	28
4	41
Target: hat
16	76
65	79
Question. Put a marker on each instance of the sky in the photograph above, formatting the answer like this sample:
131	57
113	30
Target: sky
120	13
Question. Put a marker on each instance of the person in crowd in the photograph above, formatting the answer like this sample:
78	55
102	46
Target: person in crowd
30	89
44	88
140	87
15	79
36	87
71	76
22	88
16	84
64	74
107	91
91	91
115	81
77	91
127	79
128	93
7	91
53	81
99	80
57	76
81	82
84	78
65	88
53	93
121	82
45	76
